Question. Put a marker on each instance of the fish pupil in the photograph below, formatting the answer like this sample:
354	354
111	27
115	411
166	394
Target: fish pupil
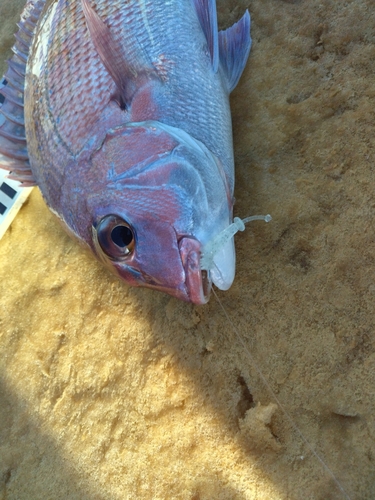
122	236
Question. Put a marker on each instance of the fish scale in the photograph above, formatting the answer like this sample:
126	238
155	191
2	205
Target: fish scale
128	130
202	113
75	83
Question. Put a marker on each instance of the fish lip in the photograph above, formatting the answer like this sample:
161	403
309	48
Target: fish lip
197	282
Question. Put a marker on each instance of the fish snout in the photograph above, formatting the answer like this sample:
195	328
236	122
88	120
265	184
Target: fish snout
197	281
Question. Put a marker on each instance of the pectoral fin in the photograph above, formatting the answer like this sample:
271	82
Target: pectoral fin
128	66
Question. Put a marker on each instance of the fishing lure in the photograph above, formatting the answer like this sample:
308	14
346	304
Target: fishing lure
119	112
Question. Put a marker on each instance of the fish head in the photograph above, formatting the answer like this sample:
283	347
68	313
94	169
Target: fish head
152	206
146	250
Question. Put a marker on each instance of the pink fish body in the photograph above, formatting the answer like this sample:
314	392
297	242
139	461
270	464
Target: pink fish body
128	132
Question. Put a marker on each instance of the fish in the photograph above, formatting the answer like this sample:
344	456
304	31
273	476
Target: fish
119	112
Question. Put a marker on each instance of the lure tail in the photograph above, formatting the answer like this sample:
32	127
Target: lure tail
13	148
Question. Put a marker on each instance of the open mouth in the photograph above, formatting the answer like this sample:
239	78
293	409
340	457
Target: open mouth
197	281
206	285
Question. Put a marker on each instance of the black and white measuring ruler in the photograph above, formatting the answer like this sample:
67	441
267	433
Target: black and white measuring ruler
12	196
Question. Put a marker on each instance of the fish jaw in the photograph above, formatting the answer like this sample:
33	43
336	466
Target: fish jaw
195	285
197	282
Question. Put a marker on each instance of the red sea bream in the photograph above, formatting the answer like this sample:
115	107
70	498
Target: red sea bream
119	111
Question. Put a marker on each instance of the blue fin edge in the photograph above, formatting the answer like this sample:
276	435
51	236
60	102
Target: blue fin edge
234	49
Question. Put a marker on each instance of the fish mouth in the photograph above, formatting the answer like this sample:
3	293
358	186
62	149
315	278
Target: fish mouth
196	289
197	281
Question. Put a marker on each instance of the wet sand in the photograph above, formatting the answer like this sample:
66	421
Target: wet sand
115	393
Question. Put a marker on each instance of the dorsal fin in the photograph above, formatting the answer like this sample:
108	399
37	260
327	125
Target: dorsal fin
13	149
128	66
234	49
206	11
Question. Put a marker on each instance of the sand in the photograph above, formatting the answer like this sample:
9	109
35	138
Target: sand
115	393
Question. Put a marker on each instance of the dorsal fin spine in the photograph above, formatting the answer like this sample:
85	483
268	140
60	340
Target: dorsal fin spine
16	117
13	137
19	68
24	30
12	130
11	95
21	41
19	52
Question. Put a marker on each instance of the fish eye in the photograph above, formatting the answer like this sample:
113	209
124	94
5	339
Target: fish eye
115	237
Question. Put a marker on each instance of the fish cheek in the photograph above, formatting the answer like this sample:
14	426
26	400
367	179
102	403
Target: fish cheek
157	256
127	273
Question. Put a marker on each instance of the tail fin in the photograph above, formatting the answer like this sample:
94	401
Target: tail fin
13	147
230	47
234	45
